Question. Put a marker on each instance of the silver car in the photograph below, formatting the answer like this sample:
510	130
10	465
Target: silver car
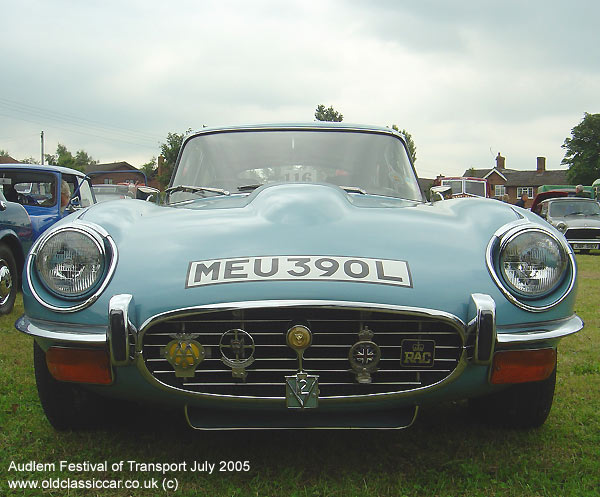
577	218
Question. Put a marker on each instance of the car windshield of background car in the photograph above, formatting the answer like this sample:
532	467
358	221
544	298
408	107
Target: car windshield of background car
475	188
82	189
583	208
111	192
455	184
376	163
28	189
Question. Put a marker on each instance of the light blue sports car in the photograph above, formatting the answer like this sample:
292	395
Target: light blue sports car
296	277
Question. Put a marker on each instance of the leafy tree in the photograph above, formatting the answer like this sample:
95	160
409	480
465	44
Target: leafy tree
170	151
4	153
412	148
64	158
149	168
583	151
329	114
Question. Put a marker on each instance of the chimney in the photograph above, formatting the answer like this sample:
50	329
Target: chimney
161	164
500	161
541	164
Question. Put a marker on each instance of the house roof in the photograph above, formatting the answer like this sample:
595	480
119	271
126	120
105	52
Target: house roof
7	159
523	178
111	166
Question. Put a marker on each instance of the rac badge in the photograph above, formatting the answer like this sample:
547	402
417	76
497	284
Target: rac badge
184	354
417	353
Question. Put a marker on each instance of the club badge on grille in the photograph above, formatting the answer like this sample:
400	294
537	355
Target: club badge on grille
364	356
184	353
302	391
237	351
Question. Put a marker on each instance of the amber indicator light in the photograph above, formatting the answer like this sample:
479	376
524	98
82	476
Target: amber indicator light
521	366
80	365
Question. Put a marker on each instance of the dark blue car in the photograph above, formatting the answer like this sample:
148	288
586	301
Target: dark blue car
40	189
15	240
33	198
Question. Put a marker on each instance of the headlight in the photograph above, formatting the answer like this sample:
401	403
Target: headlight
70	263
532	263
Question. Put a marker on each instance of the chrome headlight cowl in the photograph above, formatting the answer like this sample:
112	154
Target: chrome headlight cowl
69	267
534	268
70	263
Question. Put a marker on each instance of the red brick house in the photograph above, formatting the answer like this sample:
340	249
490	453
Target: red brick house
510	184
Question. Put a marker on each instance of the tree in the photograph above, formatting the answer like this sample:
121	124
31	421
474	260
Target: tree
64	158
170	151
149	168
412	148
583	151
329	114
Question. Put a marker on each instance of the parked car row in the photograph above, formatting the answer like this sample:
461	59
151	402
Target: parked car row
297	278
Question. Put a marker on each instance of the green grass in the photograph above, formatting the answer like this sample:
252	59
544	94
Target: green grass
443	454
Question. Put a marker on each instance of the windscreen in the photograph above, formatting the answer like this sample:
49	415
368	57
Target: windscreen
239	161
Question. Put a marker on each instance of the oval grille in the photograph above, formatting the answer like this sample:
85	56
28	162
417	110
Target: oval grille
334	331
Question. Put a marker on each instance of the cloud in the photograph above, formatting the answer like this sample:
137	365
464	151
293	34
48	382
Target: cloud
462	77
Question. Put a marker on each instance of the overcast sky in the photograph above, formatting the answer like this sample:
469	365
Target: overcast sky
467	78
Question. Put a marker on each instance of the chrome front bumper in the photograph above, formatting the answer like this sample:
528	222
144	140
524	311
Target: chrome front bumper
506	336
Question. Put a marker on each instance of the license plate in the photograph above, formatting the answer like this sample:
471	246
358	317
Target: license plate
302	391
417	353
586	246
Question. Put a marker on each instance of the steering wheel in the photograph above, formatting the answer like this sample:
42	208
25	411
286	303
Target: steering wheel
26	199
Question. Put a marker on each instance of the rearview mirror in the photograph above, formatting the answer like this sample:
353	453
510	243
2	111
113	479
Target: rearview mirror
442	192
147	193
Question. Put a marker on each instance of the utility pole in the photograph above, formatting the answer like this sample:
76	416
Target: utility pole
42	136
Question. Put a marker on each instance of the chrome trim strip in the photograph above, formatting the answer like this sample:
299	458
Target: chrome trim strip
62	332
271	428
256	304
89	229
538	332
456	322
510	230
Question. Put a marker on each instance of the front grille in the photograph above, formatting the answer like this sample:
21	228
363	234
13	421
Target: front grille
592	234
334	331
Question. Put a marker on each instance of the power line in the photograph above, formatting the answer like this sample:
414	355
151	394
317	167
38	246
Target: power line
40	115
87	133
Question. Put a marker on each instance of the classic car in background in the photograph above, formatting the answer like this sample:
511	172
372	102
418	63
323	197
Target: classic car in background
39	189
577	218
296	278
466	187
120	190
112	192
15	240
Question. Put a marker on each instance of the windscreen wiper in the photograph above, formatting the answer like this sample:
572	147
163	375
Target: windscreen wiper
196	189
248	188
353	189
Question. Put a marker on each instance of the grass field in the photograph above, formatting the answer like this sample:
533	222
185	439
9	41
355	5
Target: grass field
443	454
